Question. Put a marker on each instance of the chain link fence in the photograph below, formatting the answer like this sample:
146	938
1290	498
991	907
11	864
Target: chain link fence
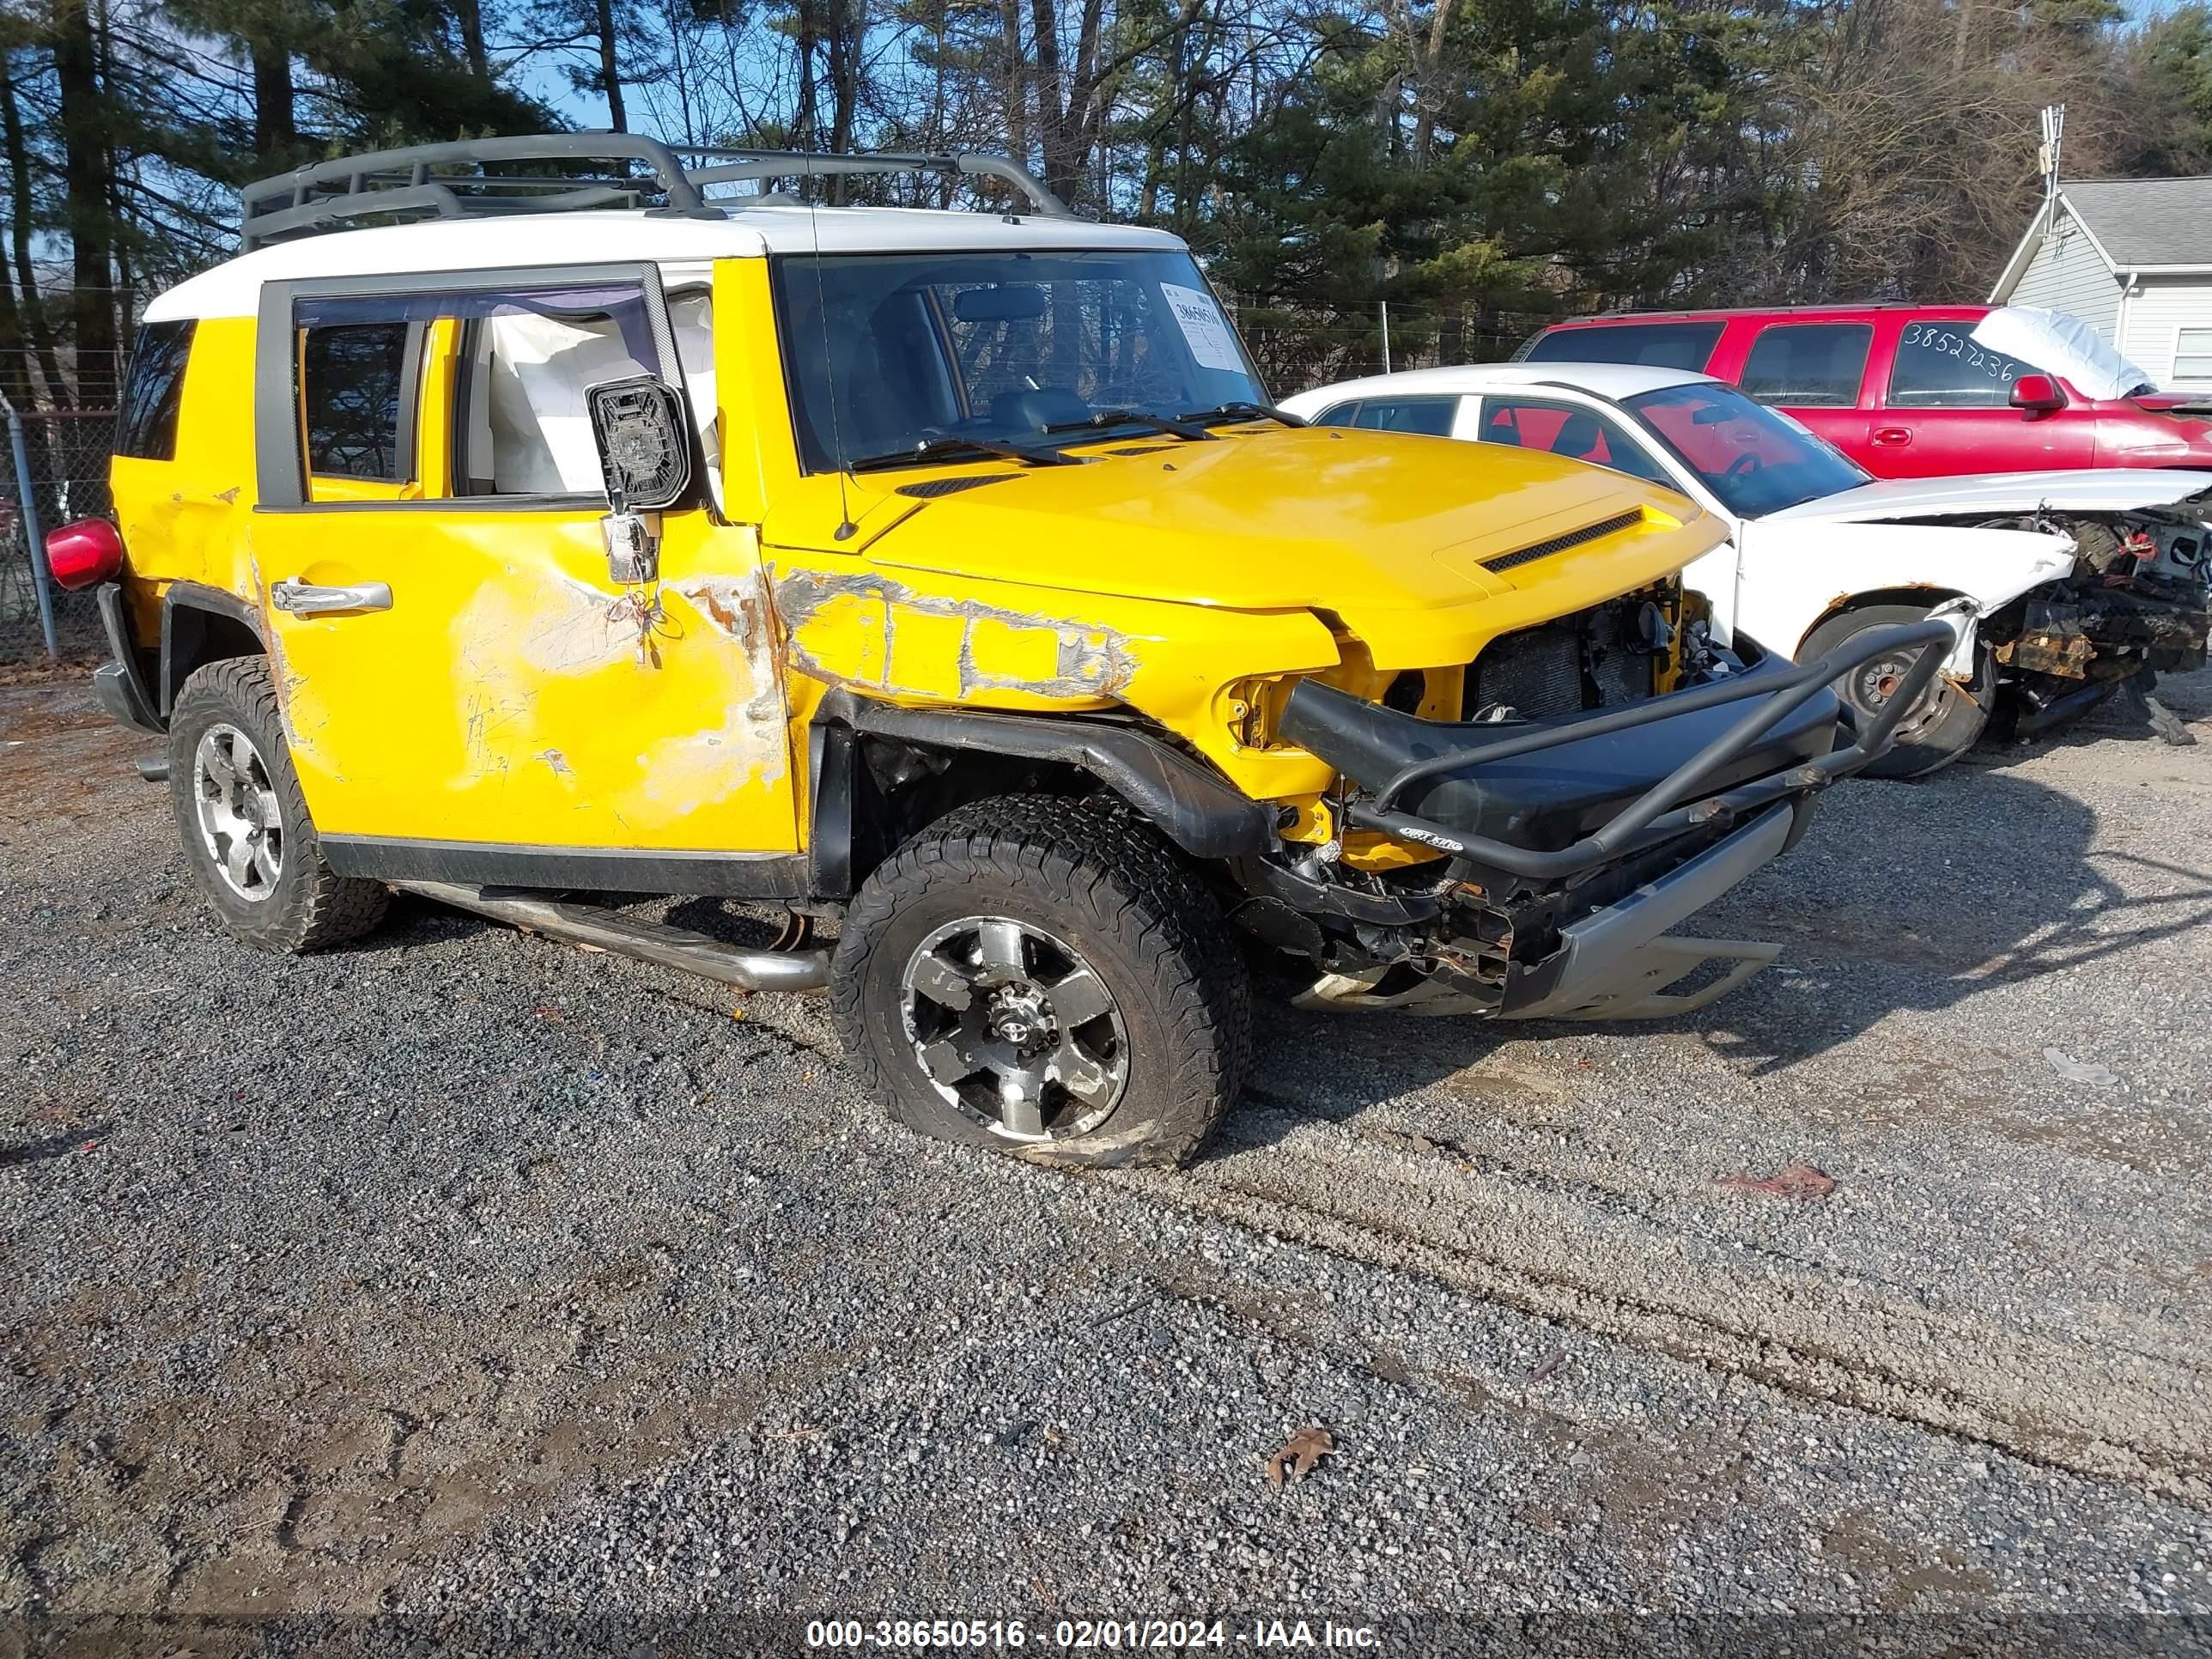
1297	349
59	471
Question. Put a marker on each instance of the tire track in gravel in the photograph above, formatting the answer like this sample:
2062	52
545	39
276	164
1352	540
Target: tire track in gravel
1813	1333
1571	1254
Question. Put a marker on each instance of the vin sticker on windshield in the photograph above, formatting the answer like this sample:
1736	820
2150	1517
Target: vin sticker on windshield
1204	328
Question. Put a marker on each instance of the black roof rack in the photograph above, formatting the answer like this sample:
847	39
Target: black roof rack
479	177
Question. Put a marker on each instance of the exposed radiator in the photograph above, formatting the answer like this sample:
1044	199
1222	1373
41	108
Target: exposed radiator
1538	671
1596	660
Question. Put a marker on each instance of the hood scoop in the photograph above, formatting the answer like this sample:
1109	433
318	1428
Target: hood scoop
930	488
1589	533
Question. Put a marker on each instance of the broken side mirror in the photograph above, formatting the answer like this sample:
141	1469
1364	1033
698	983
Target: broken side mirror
645	456
2037	394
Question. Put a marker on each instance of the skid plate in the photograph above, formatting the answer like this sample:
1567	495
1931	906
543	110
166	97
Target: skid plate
1635	988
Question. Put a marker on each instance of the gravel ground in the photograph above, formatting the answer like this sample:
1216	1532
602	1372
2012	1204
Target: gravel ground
461	1290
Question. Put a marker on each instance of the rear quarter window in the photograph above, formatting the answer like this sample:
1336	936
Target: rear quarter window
146	426
353	378
1656	345
1430	416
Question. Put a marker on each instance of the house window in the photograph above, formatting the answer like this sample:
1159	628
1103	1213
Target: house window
2192	356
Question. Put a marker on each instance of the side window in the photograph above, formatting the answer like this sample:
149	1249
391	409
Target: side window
1808	365
351	378
523	427
1568	430
1939	366
441	395
1339	415
1430	416
1656	345
146	428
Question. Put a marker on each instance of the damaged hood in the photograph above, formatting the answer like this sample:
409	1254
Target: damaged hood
1318	518
2110	489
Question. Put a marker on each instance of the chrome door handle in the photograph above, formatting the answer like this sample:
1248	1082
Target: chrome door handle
308	599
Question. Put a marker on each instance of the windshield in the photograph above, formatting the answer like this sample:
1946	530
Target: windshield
1756	459
886	353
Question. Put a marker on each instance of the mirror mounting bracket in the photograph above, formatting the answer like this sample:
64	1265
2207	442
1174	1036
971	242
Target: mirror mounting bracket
633	542
645	456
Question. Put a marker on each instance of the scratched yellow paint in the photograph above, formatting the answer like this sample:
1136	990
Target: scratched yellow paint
523	697
514	694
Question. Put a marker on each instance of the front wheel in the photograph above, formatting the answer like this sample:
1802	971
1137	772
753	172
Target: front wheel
1038	974
1944	725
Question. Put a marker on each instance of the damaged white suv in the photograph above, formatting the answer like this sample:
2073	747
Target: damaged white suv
2059	587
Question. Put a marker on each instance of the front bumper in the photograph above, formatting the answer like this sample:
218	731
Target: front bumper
2106	634
1616	963
1585	791
1583	839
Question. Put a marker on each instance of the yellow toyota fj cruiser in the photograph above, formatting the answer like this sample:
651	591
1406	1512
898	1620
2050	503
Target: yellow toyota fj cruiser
944	573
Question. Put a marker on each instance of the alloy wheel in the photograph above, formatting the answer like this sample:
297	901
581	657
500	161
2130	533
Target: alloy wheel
1014	1028
241	823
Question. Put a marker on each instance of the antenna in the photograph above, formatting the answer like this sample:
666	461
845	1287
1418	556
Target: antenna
846	528
2047	154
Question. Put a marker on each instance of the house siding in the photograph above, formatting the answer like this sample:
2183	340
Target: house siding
2067	273
2157	311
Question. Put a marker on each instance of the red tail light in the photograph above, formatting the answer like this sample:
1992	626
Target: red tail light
84	554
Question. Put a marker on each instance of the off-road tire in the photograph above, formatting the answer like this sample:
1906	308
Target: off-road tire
309	907
1924	745
1109	885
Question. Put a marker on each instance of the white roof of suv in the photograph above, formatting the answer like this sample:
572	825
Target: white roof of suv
752	229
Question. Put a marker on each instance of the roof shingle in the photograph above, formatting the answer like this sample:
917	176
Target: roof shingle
2147	221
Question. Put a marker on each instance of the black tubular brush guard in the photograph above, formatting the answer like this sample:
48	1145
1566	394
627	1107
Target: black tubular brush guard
1316	713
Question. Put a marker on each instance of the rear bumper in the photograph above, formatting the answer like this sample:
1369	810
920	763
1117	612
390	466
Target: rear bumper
117	685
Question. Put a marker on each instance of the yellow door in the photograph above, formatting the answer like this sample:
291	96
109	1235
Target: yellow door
465	669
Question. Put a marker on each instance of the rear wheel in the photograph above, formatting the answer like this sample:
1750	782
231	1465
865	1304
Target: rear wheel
1038	974
245	826
1942	726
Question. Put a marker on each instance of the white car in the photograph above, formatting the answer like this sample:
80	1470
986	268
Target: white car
2059	585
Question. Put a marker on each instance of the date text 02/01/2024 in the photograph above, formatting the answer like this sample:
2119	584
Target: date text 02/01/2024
1114	1635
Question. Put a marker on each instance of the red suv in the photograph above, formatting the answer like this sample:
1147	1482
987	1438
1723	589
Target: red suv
1915	391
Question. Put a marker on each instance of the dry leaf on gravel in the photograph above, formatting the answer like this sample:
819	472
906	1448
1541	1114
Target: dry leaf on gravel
1550	1363
1300	1454
1799	1181
2079	1071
